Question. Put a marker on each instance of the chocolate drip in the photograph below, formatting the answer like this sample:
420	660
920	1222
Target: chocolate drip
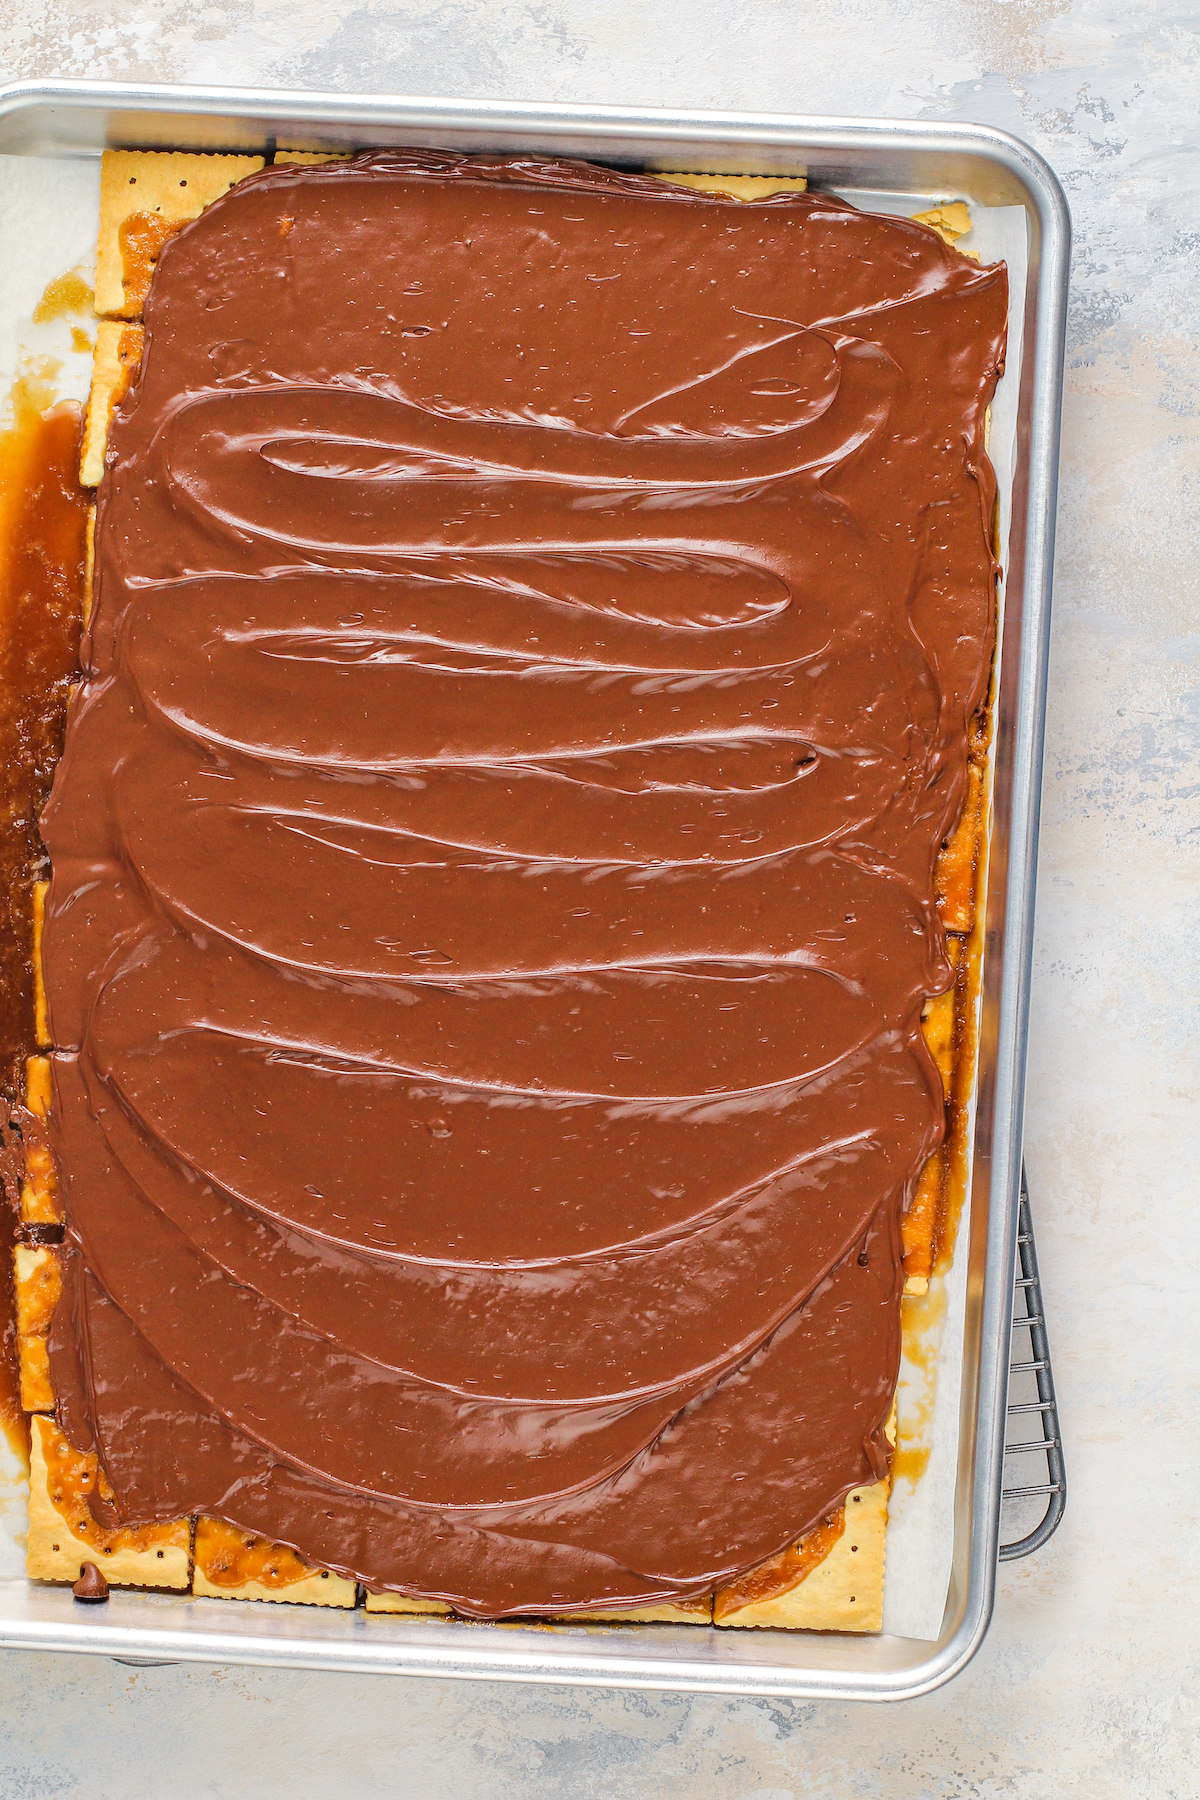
538	613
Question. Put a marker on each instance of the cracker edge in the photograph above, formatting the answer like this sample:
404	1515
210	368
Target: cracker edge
112	373
319	1587
738	187
283	157
406	1605
89	564
695	1612
41	1027
39	1188
698	1612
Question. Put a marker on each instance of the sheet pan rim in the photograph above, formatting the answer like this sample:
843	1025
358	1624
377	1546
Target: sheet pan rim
80	118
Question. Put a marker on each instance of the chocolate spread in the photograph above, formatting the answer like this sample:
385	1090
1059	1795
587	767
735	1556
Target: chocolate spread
538	614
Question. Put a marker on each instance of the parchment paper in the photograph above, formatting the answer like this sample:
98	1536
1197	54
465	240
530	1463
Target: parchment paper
48	217
48	221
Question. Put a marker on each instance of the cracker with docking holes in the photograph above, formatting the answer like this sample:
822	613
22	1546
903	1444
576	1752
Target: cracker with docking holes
831	1580
235	1565
841	1591
145	197
948	1021
63	1534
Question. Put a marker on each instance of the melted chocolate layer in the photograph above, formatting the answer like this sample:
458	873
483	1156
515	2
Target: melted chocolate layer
537	617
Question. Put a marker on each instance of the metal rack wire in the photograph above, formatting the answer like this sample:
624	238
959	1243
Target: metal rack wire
1032	1408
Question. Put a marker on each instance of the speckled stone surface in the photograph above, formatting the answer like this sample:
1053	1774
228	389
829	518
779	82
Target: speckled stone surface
1088	1681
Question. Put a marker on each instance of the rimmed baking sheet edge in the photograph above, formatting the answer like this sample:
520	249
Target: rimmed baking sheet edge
49	206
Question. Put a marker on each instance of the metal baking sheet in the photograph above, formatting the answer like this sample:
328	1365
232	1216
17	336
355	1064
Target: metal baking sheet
875	162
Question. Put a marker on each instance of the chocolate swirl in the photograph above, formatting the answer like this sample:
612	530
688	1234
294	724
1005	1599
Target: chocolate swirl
537	617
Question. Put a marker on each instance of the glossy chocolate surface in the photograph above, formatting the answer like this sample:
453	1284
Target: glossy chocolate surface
538	614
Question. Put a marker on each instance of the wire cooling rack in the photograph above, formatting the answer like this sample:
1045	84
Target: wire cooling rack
1035	1477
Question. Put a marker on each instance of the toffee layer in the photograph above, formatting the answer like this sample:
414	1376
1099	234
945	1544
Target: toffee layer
537	616
42	533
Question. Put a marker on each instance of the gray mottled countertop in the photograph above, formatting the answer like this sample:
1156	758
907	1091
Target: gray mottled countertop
1088	1681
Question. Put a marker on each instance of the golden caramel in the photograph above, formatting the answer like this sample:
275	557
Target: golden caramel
141	237
229	1558
918	1228
65	295
949	1021
956	865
